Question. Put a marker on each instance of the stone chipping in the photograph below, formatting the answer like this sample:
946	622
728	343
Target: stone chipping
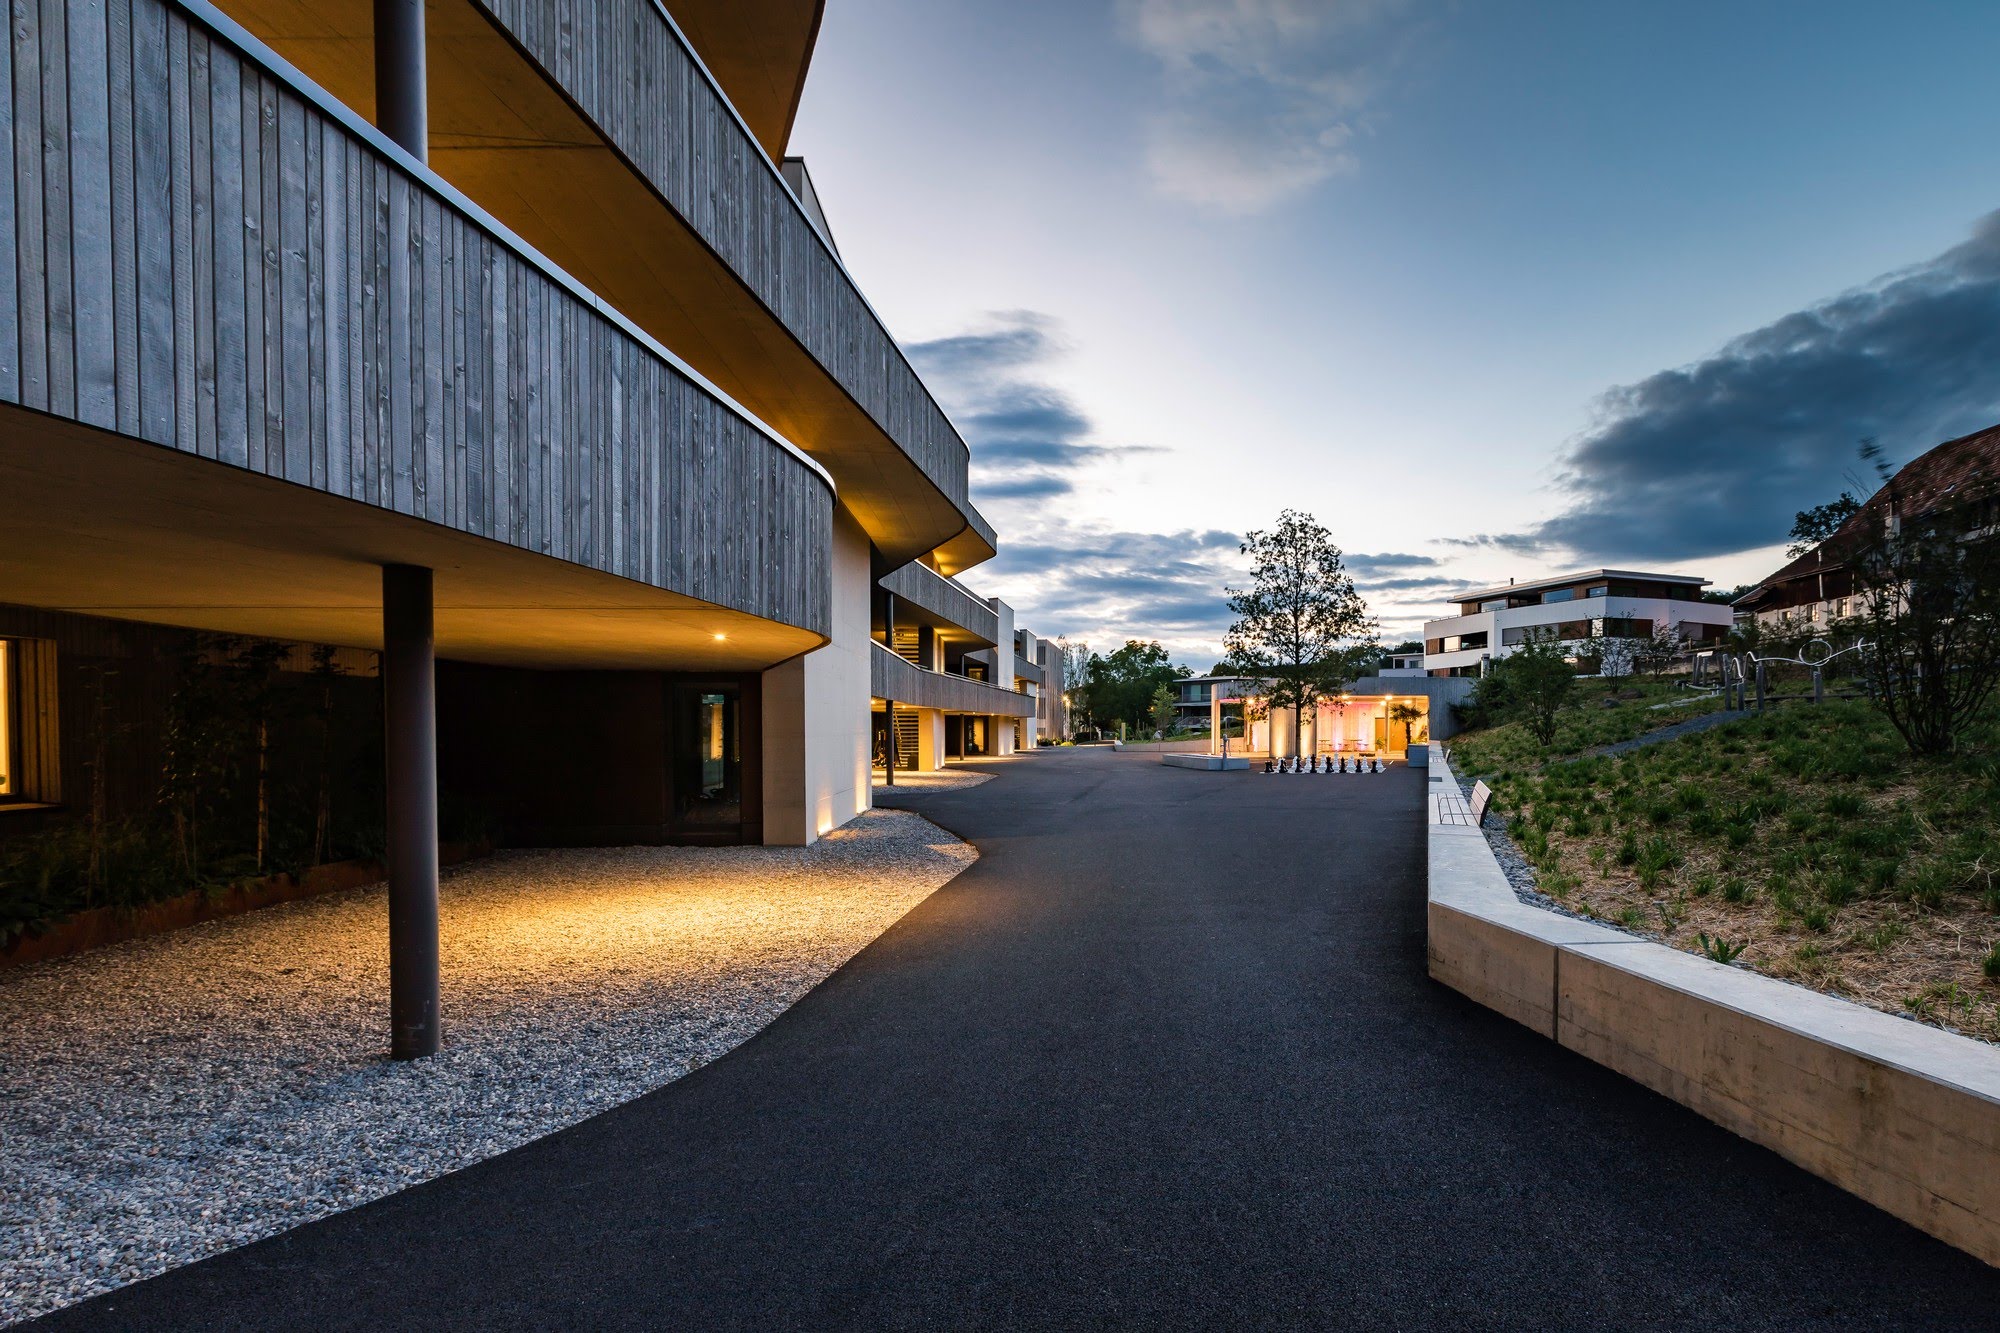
168	1098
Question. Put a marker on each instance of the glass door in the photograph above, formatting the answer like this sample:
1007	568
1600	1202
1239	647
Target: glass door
707	760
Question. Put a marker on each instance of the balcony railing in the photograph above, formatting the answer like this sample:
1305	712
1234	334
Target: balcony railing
945	599
903	682
237	267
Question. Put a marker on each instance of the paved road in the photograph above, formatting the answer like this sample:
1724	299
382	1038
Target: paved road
1166	1055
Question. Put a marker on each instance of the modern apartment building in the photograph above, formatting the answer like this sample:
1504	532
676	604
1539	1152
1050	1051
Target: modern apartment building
501	339
1582	610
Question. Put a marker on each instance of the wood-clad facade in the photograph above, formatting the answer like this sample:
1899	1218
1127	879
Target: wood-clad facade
916	585
206	257
634	76
911	686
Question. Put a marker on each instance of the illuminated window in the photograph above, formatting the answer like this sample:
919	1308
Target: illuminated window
8	782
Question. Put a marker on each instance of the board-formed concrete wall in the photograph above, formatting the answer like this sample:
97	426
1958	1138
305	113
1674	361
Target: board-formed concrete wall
1902	1115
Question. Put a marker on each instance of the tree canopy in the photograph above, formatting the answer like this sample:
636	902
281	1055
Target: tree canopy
1812	526
1300	625
1120	686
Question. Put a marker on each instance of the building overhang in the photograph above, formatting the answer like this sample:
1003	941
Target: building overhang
102	525
759	52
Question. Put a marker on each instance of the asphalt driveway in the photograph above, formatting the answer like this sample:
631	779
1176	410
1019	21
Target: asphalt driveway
1166	1055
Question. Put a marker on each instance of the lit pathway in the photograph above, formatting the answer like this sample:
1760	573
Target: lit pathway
1165	1054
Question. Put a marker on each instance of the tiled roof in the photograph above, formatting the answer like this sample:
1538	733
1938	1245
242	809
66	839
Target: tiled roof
1919	487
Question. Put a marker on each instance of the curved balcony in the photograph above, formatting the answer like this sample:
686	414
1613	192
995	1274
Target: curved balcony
260	351
597	133
892	678
942	603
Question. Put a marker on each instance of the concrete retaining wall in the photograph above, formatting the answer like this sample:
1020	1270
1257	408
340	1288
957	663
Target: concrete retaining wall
1903	1115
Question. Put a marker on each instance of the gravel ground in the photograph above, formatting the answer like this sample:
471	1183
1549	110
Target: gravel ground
171	1097
943	779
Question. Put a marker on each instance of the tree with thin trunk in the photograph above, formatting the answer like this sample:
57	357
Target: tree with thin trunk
1535	684
1301	629
1930	612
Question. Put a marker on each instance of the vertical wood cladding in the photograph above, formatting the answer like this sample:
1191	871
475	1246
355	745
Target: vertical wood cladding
626	67
194	254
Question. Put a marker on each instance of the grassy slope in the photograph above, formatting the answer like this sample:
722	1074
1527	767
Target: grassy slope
1807	834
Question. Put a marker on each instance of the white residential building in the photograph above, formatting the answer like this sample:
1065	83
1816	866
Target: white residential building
1583	610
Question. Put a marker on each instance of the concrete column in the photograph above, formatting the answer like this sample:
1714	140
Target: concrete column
401	97
409	718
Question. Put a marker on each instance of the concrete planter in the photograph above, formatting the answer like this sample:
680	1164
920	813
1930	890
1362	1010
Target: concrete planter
1902	1115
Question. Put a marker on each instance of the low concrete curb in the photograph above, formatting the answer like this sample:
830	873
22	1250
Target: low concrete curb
1206	761
1903	1115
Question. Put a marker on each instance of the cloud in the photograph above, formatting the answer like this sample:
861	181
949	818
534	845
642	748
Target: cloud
1265	98
1104	586
1715	458
1363	566
1028	438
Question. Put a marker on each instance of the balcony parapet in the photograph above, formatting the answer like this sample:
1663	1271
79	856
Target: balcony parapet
639	84
944	598
893	678
220	259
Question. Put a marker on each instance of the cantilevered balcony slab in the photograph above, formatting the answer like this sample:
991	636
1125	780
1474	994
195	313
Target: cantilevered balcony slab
905	683
595	132
927	597
254	352
758	51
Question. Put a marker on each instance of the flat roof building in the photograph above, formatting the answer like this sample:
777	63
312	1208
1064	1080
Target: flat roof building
1582	610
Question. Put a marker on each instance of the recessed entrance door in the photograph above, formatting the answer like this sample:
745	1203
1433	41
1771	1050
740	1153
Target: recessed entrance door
707	761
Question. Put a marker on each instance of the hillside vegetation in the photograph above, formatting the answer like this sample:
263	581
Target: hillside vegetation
1804	841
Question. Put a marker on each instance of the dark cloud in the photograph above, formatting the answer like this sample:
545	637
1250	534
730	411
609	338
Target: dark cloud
1021	337
1027	437
1363	566
1406	585
1716	457
1025	488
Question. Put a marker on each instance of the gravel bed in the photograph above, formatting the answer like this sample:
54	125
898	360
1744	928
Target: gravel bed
168	1098
943	779
1520	874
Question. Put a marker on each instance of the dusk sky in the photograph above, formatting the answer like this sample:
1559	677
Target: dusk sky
1492	289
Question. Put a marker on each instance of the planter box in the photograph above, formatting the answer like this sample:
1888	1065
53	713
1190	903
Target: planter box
110	925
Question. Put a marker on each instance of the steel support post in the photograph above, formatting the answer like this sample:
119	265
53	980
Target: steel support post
401	98
409	718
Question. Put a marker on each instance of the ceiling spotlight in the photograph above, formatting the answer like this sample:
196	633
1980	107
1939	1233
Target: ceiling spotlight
720	637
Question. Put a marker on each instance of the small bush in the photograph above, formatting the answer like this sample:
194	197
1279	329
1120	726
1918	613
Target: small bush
1717	948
